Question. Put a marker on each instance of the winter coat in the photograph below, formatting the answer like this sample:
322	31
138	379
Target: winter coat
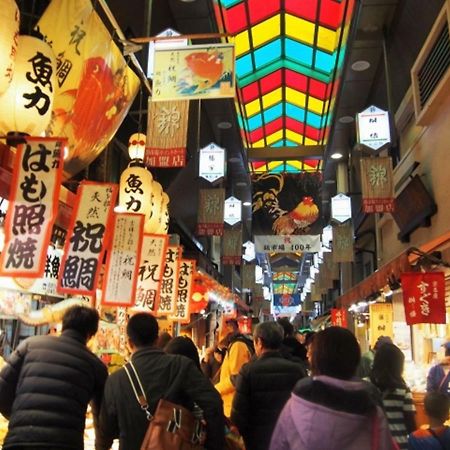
263	387
174	377
326	413
45	389
237	355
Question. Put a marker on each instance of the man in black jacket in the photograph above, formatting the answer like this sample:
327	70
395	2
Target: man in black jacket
173	377
47	384
263	387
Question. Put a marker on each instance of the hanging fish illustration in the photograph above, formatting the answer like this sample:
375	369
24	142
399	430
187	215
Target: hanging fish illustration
206	67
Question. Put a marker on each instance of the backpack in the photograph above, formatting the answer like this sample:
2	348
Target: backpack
247	340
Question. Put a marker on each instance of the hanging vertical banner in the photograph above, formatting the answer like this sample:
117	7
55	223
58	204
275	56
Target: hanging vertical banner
33	207
248	276
121	321
153	254
339	317
210	212
343	243
332	267
122	264
424	297
377	184
86	238
167	133
232	247
381	321
316	293
169	281
185	282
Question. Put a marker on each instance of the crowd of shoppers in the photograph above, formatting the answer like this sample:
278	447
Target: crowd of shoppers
260	387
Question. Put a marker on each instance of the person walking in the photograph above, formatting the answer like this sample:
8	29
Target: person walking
263	387
172	377
47	383
332	410
387	376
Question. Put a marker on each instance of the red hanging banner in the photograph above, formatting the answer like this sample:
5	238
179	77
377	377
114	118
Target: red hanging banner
33	207
424	297
339	317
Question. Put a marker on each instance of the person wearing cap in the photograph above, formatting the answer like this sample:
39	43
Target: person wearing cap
438	378
366	363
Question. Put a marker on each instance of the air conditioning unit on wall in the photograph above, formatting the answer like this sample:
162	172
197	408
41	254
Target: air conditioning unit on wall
430	73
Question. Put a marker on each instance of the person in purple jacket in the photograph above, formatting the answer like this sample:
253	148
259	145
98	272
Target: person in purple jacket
332	410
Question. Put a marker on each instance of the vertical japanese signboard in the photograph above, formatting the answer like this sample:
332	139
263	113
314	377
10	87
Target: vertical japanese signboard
343	243
339	317
210	212
169	281
211	165
232	247
185	282
424	297
151	266
381	321
166	134
33	207
121	321
86	238
119	285
136	191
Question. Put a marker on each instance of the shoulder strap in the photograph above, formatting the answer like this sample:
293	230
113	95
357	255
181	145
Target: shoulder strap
433	433
140	396
444	379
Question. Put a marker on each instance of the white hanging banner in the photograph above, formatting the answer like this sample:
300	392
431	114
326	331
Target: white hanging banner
341	208
373	128
212	162
232	211
287	244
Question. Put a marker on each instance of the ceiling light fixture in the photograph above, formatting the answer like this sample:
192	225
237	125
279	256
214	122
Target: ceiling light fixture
346	119
336	155
360	66
234	159
224	125
330	181
241	183
247	203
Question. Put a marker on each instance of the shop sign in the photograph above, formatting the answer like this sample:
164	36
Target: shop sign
424	297
341	208
169	281
232	247
167	133
377	185
339	317
249	251
233	211
121	321
86	238
194	72
248	276
185	282
210	212
153	254
381	321
287	244
343	243
33	206
212	163
373	128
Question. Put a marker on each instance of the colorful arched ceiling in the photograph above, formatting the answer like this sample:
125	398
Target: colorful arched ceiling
289	56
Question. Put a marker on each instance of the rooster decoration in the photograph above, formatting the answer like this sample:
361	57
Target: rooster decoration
296	221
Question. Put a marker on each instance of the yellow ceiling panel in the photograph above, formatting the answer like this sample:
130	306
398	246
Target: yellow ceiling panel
273	164
259	144
295	97
266	31
274	137
242	43
327	39
272	98
309	141
293	136
252	108
299	29
315	105
296	164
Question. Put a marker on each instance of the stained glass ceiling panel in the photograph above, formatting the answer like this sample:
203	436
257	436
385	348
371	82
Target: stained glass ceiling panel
289	57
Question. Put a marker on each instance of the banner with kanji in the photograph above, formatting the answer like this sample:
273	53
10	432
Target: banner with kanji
211	203
87	235
34	195
287	244
343	243
122	264
167	133
95	86
381	321
339	317
232	247
332	267
121	321
248	276
377	183
424	297
185	282
169	281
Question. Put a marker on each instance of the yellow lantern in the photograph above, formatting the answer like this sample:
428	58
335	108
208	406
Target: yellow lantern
152	225
9	26
27	104
135	194
163	219
136	146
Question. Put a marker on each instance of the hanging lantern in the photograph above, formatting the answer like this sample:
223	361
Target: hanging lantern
27	103
135	195
152	224
9	26
163	219
136	146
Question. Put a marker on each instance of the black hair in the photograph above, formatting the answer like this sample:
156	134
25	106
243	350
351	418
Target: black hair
287	326
336	353
387	369
437	405
163	339
447	349
142	329
270	333
82	319
182	345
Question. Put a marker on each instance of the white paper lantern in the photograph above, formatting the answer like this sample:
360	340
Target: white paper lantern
136	145
9	34
152	225
26	105
163	226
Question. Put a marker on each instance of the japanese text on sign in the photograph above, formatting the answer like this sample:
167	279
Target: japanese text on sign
169	281
182	310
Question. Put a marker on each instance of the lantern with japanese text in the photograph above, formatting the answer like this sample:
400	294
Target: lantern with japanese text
27	103
152	224
136	146
163	227
9	33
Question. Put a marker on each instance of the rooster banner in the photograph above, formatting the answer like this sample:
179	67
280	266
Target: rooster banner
95	87
287	204
194	72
